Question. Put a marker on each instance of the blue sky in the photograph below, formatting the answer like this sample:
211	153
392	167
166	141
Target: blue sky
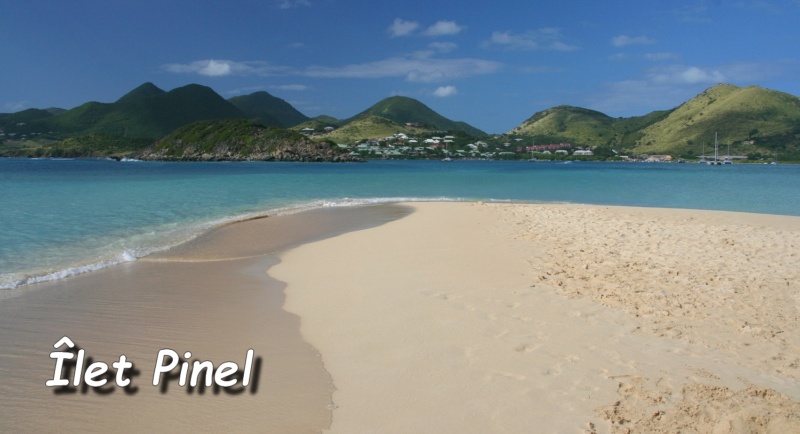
491	64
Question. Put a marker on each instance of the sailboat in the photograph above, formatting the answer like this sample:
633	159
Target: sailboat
534	159
446	153
728	157
715	161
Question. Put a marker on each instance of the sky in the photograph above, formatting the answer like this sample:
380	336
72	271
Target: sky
490	64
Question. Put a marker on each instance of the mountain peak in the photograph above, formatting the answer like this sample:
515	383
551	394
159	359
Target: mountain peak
268	109
146	90
403	110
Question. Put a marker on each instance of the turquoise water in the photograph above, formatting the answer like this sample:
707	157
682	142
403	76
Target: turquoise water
63	217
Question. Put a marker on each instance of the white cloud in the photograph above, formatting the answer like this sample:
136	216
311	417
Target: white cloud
445	91
420	66
687	75
444	28
547	38
665	87
402	28
624	40
416	68
221	68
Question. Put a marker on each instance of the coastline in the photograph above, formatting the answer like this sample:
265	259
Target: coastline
211	297
479	317
437	316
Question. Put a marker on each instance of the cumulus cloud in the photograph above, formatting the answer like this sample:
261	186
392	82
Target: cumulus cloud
401	27
444	28
547	38
445	91
624	40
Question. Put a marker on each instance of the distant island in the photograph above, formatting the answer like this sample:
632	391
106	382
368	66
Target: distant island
194	123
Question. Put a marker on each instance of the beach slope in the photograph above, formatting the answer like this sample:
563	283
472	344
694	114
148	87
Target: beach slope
556	318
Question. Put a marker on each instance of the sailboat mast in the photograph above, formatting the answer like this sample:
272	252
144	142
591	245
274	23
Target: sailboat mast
716	148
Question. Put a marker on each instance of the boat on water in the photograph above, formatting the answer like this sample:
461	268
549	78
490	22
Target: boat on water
728	156
716	161
446	153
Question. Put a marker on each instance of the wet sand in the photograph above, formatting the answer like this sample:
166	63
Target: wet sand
211	297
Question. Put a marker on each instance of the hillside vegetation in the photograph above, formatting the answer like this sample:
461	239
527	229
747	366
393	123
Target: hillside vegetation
756	122
403	110
370	126
268	110
770	119
751	119
240	140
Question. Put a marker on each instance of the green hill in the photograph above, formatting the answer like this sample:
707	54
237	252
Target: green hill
240	140
23	122
145	112
403	110
268	109
368	126
567	123
753	119
147	90
325	119
768	118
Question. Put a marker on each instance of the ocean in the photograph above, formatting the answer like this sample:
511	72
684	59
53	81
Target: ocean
64	217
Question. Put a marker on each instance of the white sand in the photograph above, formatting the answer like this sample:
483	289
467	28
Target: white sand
556	318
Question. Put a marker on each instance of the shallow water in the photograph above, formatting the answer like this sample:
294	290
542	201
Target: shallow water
65	217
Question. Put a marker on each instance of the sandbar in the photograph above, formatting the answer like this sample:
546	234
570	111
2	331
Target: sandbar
491	317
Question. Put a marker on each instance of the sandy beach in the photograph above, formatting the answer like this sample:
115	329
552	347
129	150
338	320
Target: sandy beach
556	318
210	297
435	317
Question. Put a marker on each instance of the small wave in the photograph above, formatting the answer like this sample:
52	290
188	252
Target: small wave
192	231
126	256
